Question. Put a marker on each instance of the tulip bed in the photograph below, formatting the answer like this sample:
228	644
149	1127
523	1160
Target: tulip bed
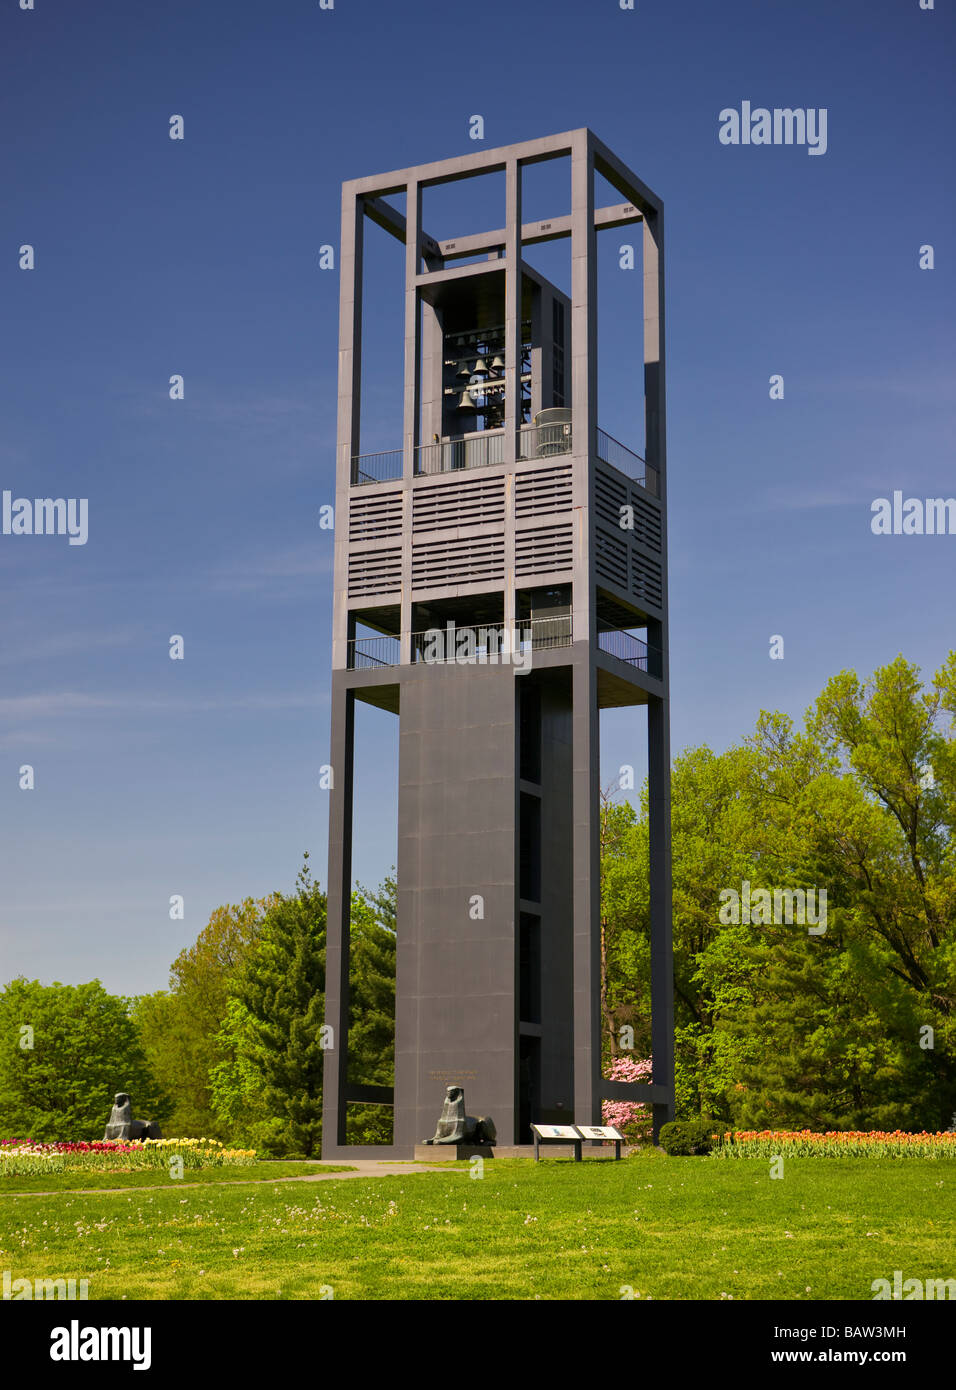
805	1143
28	1158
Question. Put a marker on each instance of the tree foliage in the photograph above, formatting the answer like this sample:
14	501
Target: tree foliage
65	1050
179	1027
849	1028
267	1089
273	1028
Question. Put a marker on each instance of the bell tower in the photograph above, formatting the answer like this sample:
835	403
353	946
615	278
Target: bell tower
500	577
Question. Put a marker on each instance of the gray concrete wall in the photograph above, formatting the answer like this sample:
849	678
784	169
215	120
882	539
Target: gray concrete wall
455	976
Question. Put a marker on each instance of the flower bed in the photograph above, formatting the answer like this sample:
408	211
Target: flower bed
27	1158
803	1143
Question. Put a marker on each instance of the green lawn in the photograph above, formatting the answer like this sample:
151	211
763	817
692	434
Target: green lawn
668	1228
65	1182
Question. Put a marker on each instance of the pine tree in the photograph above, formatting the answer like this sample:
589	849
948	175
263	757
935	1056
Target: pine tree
282	990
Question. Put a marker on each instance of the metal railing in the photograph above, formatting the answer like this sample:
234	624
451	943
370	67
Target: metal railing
547	633
630	649
377	468
450	455
544	441
368	653
619	456
483	450
436	645
485	641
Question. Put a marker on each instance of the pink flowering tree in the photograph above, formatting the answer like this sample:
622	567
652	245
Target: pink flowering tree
632	1118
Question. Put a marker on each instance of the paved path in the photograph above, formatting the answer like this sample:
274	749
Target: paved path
363	1168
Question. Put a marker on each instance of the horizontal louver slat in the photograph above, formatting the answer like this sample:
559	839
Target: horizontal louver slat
646	579
376	572
542	491
610	558
544	550
611	497
375	518
443	506
447	563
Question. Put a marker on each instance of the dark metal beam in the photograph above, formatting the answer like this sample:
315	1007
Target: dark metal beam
369	1095
635	1092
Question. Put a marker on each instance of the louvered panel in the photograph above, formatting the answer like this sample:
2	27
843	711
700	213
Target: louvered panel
544	550
441	564
645	578
375	572
375	517
615	503
610	558
468	503
647	522
542	491
609	497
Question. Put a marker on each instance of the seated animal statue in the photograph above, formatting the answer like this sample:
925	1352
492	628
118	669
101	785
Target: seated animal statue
455	1127
122	1125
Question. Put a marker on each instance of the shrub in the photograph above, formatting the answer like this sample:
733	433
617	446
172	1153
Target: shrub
686	1138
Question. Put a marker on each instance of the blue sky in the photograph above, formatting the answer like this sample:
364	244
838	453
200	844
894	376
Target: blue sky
200	257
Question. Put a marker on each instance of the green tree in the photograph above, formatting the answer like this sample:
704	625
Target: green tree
708	854
242	1108
179	1028
864	801
372	985
625	968
372	1008
272	1034
774	1026
81	1049
252	1086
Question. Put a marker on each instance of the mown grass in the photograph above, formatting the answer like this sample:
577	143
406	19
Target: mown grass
119	1178
666	1228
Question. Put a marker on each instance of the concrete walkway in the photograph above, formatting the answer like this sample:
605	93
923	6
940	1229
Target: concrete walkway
362	1168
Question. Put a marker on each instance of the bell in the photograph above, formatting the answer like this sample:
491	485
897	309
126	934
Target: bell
467	401
480	368
498	364
463	370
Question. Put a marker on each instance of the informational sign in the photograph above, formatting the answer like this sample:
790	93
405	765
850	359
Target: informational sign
556	1132
600	1132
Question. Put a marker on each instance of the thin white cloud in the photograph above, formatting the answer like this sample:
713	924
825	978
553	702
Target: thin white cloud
17	653
278	568
56	704
934	386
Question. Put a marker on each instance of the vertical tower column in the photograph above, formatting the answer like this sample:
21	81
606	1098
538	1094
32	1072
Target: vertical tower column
413	260
338	912
341	744
512	368
351	249
658	712
585	727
